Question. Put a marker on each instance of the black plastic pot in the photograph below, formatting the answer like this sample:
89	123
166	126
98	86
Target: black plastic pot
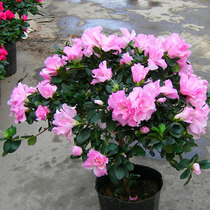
108	203
11	68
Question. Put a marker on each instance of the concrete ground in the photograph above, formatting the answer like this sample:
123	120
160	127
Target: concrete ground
42	177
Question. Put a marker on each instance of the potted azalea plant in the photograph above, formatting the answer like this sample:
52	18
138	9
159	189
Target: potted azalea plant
13	27
116	97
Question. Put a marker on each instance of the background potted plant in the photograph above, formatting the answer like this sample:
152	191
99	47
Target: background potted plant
13	27
117	97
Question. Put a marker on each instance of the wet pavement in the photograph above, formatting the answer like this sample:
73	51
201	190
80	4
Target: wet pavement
43	177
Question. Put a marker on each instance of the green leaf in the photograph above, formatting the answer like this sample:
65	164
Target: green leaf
112	175
188	180
176	68
56	80
185	174
83	136
4	154
168	141
9	132
7	146
111	125
119	172
205	166
113	149
97	50
162	128
201	162
184	162
158	147
176	129
152	153
96	117
155	141
168	149
130	166
32	140
14	146
139	151
91	114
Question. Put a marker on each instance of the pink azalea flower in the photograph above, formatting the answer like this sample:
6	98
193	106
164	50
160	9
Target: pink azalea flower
76	150
143	102
139	72
46	89
64	120
131	110
168	90
194	88
91	37
161	100
144	129
185	115
3	16
41	112
186	69
155	56
19	1
122	108
3	53
142	41
17	101
127	36
176	47
196	168
97	162
40	0
112	42
126	59
152	88
25	17
52	65
1	6
102	73
73	53
9	14
199	119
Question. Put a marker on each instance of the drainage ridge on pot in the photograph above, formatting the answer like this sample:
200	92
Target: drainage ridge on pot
152	203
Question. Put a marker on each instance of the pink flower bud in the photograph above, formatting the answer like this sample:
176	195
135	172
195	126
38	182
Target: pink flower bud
76	150
25	17
99	102
196	168
161	100
144	129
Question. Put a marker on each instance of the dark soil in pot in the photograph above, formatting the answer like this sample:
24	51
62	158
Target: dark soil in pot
147	188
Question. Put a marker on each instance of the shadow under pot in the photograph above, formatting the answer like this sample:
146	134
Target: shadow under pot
11	68
149	180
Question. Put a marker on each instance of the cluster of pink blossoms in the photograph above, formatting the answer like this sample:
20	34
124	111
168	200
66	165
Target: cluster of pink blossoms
139	105
194	88
17	101
3	53
7	15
